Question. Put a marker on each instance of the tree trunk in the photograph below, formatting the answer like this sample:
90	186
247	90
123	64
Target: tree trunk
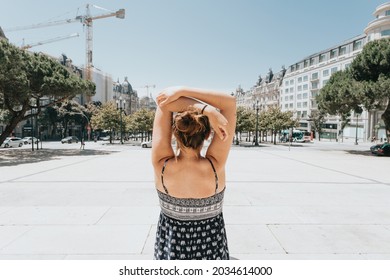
11	126
275	137
386	119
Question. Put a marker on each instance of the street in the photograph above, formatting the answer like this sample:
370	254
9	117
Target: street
322	200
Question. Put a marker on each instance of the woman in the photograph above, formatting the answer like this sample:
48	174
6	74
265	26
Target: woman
191	186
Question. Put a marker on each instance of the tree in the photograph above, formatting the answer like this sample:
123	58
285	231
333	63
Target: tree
141	122
28	78
340	95
107	117
71	111
246	120
275	120
371	68
317	119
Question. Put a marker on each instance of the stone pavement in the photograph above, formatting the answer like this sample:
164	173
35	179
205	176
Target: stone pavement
311	201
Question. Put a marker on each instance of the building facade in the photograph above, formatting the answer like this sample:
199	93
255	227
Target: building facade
295	88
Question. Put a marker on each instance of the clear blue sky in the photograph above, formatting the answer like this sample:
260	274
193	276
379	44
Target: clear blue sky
217	44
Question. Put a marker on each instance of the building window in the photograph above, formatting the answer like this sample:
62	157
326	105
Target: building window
286	90
305	87
313	94
299	96
299	88
357	45
305	78
325	73
291	82
291	97
286	98
312	61
387	13
286	106
314	76
299	105
322	57
324	82
300	80
304	104
291	89
291	105
314	85
286	83
333	53
304	96
342	50
385	33
306	63
333	70
304	114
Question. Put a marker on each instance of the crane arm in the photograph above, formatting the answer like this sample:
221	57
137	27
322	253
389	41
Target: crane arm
50	40
119	14
45	24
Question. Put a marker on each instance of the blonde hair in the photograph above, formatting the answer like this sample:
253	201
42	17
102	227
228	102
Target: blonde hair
190	128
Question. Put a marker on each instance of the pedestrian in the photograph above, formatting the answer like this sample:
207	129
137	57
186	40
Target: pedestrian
191	183
82	144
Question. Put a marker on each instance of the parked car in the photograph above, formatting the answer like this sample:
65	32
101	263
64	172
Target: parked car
28	140
70	139
11	142
384	150
146	144
374	148
105	138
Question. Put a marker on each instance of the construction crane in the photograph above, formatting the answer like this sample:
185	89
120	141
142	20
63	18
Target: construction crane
86	20
147	89
24	47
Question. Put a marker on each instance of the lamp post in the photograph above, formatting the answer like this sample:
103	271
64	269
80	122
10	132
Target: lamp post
356	136
119	103
256	106
32	130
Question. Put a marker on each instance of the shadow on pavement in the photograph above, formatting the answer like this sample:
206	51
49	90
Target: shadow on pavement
362	153
13	157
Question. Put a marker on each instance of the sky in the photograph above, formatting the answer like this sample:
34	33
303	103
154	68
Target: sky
213	44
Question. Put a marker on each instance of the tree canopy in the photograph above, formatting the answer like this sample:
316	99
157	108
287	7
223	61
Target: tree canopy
365	84
26	79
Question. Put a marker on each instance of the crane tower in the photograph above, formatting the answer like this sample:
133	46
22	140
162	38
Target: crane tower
86	20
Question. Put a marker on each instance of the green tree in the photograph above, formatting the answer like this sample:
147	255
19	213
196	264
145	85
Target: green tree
246	120
371	68
28	78
141	122
106	117
275	120
317	119
71	111
340	95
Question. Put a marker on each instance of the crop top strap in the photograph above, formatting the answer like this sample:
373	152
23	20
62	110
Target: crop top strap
162	175
215	174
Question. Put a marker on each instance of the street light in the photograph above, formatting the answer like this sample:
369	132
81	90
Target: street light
119	102
256	106
32	130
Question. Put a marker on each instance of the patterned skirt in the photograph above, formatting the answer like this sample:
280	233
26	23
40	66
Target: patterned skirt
191	240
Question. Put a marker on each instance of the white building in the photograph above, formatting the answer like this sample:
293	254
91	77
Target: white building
303	80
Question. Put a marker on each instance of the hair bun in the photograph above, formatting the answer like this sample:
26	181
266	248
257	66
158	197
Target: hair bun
191	127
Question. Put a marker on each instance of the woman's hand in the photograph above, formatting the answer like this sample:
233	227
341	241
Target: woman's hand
168	95
218	122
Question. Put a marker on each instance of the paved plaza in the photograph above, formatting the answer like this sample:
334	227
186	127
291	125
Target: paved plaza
324	200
